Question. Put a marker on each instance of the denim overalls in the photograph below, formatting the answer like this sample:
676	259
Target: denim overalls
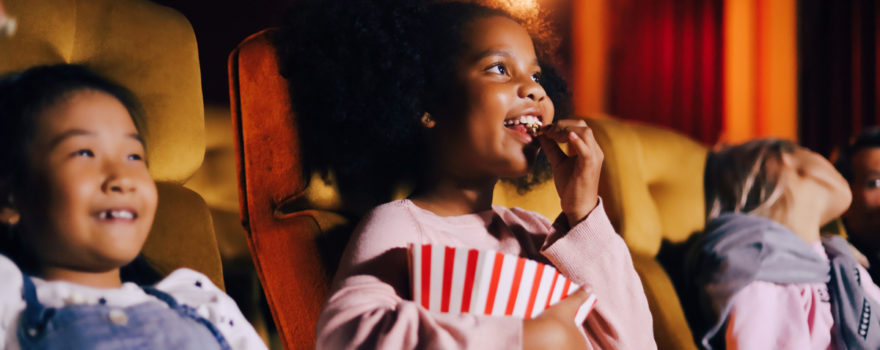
147	325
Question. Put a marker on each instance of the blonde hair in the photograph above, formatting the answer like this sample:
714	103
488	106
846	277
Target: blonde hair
747	178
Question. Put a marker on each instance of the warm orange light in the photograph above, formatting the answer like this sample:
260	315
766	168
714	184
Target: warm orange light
776	104
760	74
518	8
739	71
588	52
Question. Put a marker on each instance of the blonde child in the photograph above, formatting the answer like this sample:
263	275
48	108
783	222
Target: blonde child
445	94
77	204
764	277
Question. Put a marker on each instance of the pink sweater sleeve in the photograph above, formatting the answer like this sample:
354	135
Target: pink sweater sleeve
591	253
368	310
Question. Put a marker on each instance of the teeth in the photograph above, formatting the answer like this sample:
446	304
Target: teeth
529	121
123	214
116	214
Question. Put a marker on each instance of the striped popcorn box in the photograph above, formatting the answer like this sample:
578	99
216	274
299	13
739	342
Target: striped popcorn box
461	280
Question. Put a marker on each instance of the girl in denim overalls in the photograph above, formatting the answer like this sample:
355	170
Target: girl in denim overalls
77	202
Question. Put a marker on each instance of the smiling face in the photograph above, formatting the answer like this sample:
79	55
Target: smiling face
91	200
483	132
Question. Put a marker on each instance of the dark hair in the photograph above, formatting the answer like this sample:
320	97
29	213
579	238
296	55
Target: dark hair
24	96
363	72
869	138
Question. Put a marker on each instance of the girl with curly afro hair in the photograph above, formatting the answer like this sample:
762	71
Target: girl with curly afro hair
450	97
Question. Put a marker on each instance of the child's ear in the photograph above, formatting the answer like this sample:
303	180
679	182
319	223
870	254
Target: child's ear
428	121
9	216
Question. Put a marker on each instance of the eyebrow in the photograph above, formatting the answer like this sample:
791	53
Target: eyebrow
504	53
80	132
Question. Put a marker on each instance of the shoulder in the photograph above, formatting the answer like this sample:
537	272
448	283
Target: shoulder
399	211
523	217
10	289
11	302
388	224
10	273
194	289
184	279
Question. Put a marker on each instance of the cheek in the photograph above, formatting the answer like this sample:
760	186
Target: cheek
151	198
872	198
549	112
62	195
494	101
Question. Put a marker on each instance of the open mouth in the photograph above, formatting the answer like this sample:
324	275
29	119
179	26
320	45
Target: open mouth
529	124
117	214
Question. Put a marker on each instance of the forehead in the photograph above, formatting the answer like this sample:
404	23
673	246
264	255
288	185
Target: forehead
497	33
868	158
86	110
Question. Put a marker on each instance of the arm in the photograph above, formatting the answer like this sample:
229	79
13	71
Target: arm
196	290
369	306
592	254
765	315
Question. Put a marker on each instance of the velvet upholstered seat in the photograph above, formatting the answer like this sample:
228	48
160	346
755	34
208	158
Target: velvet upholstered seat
651	185
151	50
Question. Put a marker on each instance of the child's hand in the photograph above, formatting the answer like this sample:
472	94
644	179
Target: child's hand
559	327
576	175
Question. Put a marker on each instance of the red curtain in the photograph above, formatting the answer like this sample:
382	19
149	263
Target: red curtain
665	64
839	78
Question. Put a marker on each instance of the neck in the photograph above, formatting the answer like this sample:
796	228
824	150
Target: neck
108	279
806	225
448	196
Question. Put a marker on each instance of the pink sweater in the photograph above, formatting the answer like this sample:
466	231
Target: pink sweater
767	315
370	304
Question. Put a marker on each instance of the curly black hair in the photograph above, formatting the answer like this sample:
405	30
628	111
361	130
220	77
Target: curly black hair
362	73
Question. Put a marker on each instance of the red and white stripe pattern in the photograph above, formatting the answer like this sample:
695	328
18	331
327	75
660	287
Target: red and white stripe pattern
461	280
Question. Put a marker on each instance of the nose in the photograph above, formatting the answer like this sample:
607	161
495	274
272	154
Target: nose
532	90
117	179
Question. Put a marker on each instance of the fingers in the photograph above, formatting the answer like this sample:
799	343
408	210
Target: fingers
552	150
585	309
559	132
578	305
579	296
579	136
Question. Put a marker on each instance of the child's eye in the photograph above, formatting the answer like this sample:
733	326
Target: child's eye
875	183
135	156
498	68
84	153
537	77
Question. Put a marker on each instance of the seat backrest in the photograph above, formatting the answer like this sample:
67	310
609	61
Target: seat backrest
270	172
652	185
151	50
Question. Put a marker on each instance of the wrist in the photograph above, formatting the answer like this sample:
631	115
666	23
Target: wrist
578	214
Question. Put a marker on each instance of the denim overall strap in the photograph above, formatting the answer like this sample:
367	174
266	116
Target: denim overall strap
190	312
35	314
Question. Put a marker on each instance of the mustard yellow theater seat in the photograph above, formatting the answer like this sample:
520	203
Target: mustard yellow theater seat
151	50
652	188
